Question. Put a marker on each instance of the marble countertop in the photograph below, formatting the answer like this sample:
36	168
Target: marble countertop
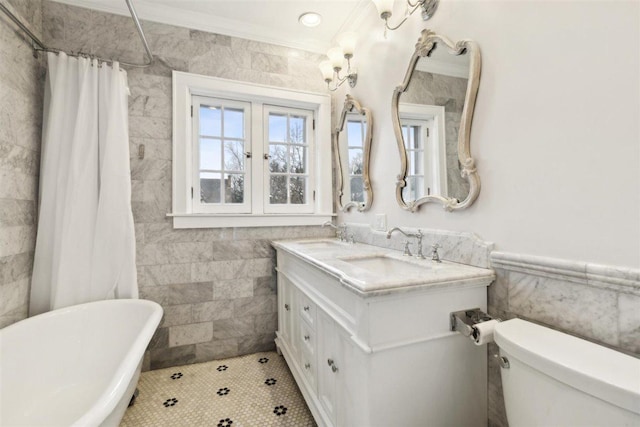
370	270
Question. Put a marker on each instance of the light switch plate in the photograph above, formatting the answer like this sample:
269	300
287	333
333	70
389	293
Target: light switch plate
380	222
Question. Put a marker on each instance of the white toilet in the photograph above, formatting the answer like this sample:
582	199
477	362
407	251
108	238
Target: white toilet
553	379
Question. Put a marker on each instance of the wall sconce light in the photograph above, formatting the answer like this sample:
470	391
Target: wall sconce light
331	69
385	10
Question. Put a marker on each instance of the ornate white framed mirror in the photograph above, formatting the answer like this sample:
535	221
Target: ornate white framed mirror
432	112
352	147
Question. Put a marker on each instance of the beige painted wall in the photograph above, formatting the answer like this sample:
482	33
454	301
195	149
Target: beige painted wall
555	134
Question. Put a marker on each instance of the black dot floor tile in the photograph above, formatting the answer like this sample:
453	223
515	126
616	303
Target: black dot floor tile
253	390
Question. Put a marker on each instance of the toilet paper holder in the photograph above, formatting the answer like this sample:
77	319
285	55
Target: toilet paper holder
463	321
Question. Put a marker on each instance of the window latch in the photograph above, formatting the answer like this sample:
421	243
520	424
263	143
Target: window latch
247	154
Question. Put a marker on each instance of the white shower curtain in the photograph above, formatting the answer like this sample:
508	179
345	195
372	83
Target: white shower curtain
85	247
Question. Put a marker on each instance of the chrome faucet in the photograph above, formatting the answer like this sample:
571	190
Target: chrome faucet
341	230
418	236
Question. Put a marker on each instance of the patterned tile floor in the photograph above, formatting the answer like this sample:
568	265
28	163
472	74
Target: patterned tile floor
253	390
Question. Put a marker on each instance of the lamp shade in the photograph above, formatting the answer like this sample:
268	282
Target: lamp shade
336	56
347	42
327	70
384	7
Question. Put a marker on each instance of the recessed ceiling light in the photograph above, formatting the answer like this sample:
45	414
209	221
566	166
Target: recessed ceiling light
310	19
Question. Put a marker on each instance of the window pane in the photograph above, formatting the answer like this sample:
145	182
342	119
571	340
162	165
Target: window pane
357	189
277	127
233	156
414	188
298	159
406	192
278	161
234	188
355	161
210	154
209	187
416	162
233	123
416	139
278	189
210	120
354	133
298	189
298	130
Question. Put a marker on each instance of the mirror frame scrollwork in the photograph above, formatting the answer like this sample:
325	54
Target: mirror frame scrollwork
426	43
351	105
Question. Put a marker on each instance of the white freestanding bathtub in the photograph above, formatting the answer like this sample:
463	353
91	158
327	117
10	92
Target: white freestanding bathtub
76	366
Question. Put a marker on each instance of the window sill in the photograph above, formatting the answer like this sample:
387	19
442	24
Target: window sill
205	220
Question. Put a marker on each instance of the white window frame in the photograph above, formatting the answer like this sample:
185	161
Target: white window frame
288	208
435	157
185	86
195	132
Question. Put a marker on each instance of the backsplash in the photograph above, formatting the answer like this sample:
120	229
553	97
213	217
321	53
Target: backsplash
217	286
461	247
595	302
22	89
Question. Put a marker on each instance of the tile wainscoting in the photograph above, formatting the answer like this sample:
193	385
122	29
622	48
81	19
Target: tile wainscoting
21	99
595	302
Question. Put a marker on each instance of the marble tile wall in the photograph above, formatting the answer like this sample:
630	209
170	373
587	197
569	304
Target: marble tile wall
217	286
21	95
595	302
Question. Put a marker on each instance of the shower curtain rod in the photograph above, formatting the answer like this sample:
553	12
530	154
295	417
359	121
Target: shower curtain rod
39	46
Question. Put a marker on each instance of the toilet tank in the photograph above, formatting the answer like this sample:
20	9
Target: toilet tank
555	379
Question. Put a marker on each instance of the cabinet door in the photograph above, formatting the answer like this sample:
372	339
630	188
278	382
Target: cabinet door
329	358
287	317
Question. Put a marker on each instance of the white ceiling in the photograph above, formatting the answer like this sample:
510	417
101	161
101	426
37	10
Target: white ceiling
271	21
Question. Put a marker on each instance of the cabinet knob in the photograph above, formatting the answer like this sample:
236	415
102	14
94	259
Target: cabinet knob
307	366
332	364
286	307
306	337
306	308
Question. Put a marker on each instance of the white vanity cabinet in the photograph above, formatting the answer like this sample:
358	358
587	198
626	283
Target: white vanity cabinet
379	358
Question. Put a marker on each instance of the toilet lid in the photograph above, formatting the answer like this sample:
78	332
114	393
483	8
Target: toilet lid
604	373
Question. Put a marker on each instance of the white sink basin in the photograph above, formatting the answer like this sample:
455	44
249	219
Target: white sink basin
321	244
391	267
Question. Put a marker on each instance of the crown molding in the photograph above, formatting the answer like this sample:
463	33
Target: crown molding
149	11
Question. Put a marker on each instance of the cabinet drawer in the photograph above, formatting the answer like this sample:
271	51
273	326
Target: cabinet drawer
307	309
308	338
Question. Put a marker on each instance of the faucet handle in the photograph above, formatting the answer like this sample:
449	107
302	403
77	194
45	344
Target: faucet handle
434	252
419	237
407	251
342	232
